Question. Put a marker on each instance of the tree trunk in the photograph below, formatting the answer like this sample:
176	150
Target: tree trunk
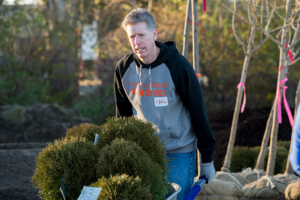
195	38
282	70
289	169
264	144
186	30
227	162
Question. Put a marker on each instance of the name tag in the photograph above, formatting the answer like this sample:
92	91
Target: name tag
161	101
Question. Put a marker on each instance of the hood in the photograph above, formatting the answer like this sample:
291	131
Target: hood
167	51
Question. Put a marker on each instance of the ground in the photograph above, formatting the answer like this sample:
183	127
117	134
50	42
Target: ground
21	143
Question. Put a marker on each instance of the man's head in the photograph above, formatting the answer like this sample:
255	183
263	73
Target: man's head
141	30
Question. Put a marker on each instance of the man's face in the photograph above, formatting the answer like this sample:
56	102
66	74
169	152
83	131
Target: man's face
142	41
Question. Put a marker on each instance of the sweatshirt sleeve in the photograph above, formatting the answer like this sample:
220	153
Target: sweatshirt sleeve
188	87
294	157
123	105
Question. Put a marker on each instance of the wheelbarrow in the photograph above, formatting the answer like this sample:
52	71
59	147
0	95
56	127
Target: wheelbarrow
192	193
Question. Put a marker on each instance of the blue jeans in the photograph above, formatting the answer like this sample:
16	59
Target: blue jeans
182	166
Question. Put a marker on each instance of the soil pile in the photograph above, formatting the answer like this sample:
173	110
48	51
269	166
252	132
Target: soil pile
250	130
38	123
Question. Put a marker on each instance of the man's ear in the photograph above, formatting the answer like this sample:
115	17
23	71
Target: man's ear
155	34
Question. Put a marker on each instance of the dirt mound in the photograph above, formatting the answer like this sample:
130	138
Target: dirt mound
38	123
250	130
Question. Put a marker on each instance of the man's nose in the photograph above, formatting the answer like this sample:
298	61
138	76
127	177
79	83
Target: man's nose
137	40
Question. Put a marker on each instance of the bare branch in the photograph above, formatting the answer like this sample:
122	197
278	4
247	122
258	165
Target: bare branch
294	62
276	11
296	53
258	46
293	44
233	27
290	35
278	34
261	21
241	17
249	11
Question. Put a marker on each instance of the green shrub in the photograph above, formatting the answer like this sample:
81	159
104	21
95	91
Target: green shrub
126	157
122	187
285	144
135	130
84	130
71	163
243	157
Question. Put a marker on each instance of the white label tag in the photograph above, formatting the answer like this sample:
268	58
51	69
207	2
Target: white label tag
89	193
161	101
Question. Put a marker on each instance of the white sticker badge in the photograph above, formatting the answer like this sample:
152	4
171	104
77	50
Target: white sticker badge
160	101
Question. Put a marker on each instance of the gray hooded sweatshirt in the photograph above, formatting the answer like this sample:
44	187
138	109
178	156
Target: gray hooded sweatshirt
168	94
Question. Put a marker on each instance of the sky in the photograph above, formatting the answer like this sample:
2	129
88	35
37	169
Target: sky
11	2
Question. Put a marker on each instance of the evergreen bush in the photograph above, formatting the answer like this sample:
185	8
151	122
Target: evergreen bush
84	130
126	157
70	163
243	157
135	130
122	187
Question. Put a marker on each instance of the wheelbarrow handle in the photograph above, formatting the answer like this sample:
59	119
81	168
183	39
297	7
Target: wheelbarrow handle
195	189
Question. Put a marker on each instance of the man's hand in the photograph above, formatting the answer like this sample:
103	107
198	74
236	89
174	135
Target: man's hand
208	170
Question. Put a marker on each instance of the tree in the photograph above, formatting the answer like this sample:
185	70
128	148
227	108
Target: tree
248	48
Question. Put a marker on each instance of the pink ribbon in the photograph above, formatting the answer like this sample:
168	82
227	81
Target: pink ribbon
286	105
287	108
204	5
290	54
244	101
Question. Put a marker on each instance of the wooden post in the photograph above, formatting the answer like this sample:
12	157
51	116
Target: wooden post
186	30
289	169
195	38
264	144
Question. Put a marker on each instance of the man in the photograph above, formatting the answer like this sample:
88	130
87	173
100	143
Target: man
157	84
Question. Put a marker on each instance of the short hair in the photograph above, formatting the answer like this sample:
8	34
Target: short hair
139	15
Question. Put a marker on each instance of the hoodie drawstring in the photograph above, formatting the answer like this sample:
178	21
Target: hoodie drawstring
140	75
150	78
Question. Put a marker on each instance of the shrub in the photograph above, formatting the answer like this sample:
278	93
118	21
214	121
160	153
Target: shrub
71	163
122	187
135	130
243	157
84	130
126	157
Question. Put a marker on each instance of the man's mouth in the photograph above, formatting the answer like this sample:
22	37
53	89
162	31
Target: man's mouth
138	50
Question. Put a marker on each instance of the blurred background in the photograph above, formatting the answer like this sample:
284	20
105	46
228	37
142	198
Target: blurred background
63	53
